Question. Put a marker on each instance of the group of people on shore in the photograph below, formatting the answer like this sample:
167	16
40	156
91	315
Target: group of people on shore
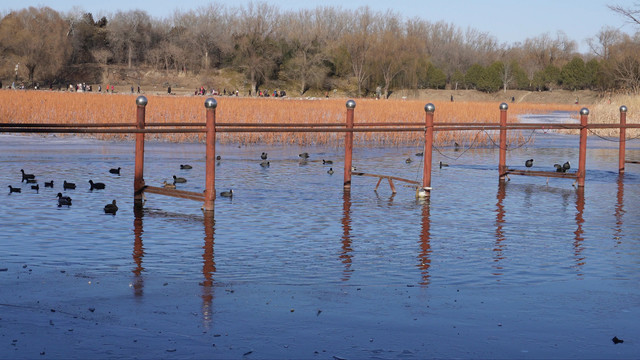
84	87
275	93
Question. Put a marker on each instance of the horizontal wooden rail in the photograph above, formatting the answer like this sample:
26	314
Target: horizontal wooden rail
389	178
99	131
93	128
56	125
175	193
556	174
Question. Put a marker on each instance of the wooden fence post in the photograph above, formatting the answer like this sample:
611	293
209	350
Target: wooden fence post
210	178
427	154
138	180
502	162
623	140
348	145
582	156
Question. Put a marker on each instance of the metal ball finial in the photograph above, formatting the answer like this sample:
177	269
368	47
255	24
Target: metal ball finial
142	101
623	108
584	111
210	103
430	108
504	106
351	104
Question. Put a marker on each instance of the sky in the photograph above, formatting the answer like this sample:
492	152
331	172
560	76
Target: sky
509	21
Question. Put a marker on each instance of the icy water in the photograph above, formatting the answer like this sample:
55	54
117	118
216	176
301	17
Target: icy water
293	267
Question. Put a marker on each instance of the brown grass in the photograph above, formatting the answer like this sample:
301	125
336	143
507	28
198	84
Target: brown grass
75	108
607	111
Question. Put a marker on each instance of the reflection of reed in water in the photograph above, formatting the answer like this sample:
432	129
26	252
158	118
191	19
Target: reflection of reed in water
619	213
208	268
138	251
499	247
578	245
345	254
425	242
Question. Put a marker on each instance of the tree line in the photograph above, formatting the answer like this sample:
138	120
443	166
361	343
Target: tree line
323	48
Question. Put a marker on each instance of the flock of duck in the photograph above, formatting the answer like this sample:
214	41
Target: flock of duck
264	163
559	168
112	208
63	200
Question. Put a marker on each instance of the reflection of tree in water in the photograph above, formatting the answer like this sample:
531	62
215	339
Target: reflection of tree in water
138	251
425	242
208	268
345	254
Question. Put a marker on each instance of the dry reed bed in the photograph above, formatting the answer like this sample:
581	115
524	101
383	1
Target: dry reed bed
608	112
76	108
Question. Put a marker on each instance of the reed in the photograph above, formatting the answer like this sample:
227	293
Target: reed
77	108
607	111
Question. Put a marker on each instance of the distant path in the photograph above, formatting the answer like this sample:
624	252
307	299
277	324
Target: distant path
524	96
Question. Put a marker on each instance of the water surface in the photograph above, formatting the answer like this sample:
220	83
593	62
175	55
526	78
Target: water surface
294	267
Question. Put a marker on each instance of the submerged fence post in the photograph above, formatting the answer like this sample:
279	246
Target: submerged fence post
582	156
428	147
348	144
502	162
210	178
623	140
138	180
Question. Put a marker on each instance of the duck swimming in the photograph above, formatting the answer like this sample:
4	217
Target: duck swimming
63	200
26	176
36	187
330	171
186	167
263	156
166	185
97	186
327	161
14	190
115	171
528	163
48	184
179	179
304	155
264	164
111	208
227	193
566	166
67	185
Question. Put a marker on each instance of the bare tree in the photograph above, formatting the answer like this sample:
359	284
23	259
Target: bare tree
307	33
544	52
624	64
602	42
256	51
206	34
36	38
130	35
389	47
357	42
631	14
